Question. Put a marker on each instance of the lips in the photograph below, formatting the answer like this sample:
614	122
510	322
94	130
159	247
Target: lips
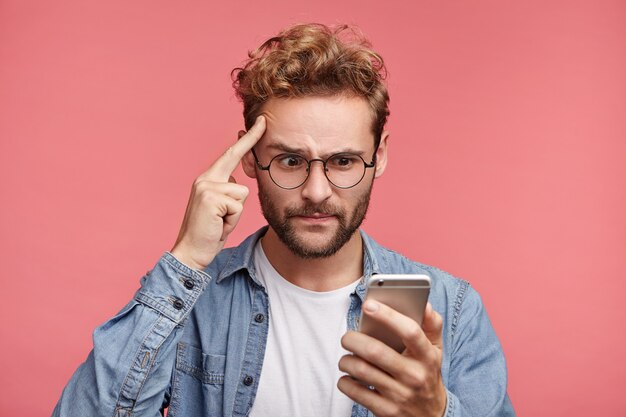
316	217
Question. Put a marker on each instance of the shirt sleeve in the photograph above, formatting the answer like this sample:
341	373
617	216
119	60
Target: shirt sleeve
478	376
129	369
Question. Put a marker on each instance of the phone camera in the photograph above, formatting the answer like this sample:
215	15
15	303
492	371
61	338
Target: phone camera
381	282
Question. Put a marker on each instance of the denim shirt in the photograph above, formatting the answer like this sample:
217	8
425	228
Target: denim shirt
194	341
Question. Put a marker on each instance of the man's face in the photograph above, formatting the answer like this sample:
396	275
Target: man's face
316	219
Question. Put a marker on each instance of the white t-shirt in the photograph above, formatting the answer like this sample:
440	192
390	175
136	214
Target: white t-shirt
300	369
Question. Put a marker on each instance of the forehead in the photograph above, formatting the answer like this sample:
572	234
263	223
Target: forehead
318	124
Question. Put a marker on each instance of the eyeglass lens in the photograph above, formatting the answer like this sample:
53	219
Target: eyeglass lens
291	170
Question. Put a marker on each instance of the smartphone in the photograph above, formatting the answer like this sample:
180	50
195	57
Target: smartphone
407	294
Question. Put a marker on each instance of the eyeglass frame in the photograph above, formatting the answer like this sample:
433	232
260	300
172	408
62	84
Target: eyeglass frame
308	168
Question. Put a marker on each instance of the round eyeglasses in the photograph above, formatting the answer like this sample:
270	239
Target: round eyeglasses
290	170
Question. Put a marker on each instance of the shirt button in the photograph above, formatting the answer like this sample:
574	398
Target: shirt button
178	304
248	380
189	284
259	318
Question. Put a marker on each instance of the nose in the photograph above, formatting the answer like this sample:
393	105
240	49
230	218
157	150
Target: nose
317	188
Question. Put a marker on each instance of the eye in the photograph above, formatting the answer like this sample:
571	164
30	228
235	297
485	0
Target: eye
344	161
290	161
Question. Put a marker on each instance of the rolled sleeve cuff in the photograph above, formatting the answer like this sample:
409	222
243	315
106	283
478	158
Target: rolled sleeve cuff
172	288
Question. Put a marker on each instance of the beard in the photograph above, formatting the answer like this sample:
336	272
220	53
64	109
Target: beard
282	224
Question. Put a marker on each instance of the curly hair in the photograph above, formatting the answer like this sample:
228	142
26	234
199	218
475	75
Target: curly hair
313	60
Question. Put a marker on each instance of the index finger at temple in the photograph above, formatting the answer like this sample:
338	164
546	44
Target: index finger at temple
226	164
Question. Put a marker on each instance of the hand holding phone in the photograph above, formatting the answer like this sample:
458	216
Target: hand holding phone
407	294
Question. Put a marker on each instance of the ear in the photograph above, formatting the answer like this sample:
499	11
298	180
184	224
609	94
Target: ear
381	155
247	162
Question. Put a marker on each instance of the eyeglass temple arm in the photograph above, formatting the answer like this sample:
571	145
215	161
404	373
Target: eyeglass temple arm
373	163
258	163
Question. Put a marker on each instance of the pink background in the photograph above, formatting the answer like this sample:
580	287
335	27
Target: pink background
507	168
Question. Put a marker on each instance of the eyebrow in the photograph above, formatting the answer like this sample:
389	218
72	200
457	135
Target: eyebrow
301	151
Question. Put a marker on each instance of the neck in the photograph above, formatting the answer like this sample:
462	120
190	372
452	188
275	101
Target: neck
319	274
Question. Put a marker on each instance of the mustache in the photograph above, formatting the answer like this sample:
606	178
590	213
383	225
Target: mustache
311	209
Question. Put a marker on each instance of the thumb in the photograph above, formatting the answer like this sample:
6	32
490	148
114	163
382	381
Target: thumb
432	326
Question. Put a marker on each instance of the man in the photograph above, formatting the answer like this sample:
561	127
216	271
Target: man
268	328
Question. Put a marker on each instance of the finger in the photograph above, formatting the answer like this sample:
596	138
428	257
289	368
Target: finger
375	352
405	327
432	326
370	399
226	164
370	375
230	222
232	212
233	190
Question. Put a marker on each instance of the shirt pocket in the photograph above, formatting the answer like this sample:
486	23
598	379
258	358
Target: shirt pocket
198	386
207	368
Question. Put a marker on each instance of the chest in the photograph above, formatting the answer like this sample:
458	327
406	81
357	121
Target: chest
301	357
221	354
